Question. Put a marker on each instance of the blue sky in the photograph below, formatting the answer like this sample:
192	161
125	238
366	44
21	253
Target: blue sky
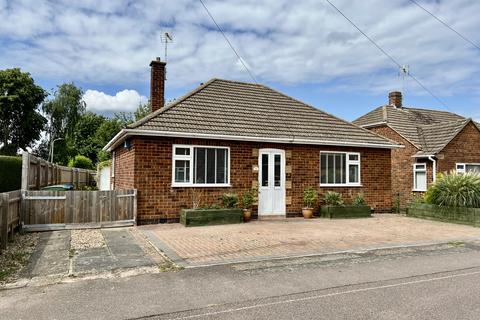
303	48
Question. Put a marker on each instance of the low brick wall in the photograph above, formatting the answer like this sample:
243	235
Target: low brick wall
470	216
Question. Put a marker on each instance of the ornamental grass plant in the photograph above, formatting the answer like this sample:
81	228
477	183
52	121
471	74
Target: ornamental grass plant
455	190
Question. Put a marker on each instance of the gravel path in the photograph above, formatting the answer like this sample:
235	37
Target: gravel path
87	239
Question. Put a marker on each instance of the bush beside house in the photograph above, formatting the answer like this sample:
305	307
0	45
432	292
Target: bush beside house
452	198
335	207
10	173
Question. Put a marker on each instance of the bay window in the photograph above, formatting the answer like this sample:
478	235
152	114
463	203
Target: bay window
419	177
339	168
200	166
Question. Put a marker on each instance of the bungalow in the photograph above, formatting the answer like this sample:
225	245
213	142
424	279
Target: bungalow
230	136
435	141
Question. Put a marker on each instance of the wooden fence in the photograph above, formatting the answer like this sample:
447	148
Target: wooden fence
38	173
56	210
10	215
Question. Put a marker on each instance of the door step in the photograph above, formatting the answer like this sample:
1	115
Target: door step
272	217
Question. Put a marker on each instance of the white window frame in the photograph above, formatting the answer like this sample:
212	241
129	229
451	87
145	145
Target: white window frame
190	158
348	162
464	169
415	170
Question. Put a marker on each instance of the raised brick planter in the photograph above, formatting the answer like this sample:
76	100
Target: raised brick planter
340	212
205	217
470	216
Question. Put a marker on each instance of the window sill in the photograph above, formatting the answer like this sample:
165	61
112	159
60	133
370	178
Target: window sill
201	185
329	185
418	190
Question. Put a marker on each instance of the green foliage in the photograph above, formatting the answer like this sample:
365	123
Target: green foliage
310	197
103	164
455	190
105	132
333	198
359	200
10	173
83	139
20	121
80	162
229	200
64	112
396	203
249	197
126	118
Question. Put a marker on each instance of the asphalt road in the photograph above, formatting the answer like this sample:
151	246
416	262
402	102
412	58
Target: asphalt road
438	282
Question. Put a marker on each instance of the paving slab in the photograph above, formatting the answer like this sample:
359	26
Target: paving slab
209	245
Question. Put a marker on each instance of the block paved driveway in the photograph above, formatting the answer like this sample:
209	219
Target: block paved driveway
255	240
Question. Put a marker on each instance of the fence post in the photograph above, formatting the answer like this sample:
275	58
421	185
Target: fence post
25	165
4	199
135	207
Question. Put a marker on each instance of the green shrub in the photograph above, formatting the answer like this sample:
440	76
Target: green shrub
10	173
229	200
333	198
310	197
359	200
249	197
455	190
80	162
208	207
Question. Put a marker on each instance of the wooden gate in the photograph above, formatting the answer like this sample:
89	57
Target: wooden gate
54	210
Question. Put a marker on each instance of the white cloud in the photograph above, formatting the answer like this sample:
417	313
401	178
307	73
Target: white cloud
282	41
100	102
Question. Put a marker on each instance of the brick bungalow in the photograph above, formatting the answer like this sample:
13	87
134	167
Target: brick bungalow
229	136
435	141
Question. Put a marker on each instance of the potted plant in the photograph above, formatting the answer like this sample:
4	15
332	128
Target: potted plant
310	197
248	198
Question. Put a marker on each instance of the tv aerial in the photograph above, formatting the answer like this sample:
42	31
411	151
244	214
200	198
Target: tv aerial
166	38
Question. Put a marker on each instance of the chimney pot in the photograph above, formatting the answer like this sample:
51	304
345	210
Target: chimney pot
395	99
157	84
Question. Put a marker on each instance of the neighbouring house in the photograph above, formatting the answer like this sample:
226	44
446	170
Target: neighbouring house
435	141
230	136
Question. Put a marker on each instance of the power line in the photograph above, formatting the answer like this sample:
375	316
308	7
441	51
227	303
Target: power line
388	55
228	41
445	24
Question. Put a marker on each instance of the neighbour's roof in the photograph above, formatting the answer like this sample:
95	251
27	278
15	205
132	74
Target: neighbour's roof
246	110
428	130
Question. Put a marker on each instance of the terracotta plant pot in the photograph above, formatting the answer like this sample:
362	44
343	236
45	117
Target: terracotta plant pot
247	215
307	213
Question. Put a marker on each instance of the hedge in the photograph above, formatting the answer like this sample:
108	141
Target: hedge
10	173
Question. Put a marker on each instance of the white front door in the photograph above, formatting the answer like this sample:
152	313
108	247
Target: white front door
271	182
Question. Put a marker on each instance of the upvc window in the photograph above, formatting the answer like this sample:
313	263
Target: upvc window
419	177
339	168
467	167
200	166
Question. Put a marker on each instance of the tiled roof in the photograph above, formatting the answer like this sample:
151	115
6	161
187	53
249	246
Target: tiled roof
230	108
429	130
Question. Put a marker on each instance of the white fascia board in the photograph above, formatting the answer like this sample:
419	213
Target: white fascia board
135	132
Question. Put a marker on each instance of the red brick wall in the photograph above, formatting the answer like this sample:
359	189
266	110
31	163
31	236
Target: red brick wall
159	202
123	169
402	165
464	148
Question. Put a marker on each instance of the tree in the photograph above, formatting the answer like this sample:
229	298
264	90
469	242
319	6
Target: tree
63	113
83	139
127	118
20	122
104	134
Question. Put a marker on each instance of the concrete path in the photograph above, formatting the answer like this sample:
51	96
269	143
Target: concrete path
257	240
432	282
57	257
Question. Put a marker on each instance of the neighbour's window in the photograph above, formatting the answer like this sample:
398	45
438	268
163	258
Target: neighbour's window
339	168
419	177
468	167
200	166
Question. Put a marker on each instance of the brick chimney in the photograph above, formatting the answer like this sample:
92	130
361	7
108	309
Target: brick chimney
157	84
395	99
